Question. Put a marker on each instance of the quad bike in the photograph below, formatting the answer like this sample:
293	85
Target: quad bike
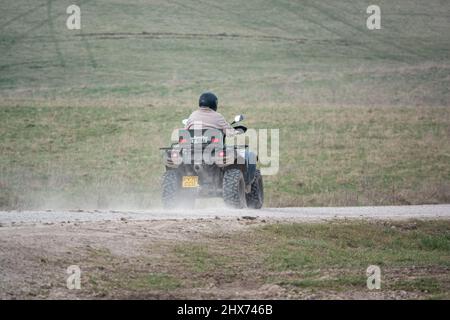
221	171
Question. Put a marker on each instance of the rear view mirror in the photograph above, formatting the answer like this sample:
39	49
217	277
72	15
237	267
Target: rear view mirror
238	118
185	121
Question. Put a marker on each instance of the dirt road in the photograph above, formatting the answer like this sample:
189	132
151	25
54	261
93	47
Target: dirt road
300	214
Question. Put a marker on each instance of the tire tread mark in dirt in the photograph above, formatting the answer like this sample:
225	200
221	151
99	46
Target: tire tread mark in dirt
159	35
12	65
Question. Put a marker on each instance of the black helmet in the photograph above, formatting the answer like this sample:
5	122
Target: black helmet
208	100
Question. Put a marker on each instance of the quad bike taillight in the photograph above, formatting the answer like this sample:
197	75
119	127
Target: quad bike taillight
215	140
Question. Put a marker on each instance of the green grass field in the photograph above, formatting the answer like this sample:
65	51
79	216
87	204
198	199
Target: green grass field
364	115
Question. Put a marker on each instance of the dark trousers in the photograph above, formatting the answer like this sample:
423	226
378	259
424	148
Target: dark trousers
250	162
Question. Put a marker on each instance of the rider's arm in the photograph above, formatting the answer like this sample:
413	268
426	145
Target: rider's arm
189	122
226	127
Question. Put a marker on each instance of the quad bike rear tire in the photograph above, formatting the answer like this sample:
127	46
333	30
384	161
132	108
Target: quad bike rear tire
255	198
234	189
173	196
170	189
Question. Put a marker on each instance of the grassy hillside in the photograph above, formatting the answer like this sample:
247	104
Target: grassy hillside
141	52
363	114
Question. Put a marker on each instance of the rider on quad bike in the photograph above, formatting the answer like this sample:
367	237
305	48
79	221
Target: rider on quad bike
226	171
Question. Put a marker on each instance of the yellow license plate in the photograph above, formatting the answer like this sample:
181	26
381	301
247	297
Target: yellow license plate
190	182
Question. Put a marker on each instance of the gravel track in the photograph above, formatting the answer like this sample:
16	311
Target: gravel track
300	214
